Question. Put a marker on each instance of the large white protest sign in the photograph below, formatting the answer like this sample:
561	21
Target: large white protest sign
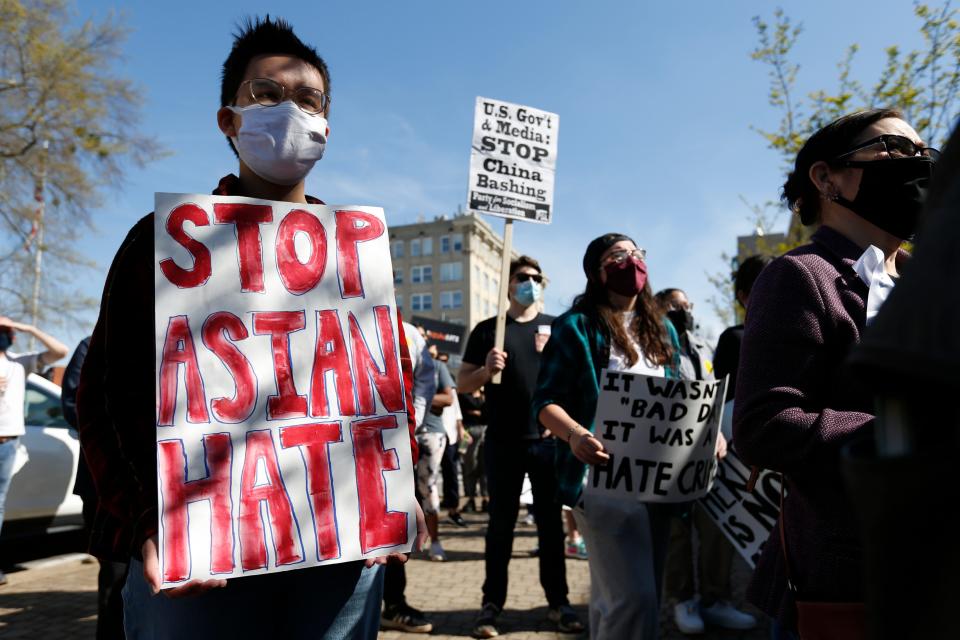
282	438
746	518
661	436
514	161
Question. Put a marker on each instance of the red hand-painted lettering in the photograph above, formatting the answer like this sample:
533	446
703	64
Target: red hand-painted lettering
177	493
379	528
218	331
314	438
300	277
247	218
200	272
280	324
353	227
178	349
388	382
331	355
253	542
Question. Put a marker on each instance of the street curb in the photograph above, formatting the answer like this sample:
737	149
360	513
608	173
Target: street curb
53	561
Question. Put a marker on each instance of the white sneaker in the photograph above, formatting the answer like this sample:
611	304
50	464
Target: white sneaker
436	552
686	615
723	614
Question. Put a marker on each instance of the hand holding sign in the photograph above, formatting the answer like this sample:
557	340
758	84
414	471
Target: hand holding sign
587	448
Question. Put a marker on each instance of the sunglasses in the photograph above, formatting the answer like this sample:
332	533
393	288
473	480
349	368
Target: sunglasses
523	277
895	147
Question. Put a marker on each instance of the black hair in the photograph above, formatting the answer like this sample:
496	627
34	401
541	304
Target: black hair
799	192
747	273
263	36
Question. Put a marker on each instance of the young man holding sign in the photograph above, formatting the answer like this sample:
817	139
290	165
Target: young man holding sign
516	444
274	102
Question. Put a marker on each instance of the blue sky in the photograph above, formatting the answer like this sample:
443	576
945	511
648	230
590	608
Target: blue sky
655	100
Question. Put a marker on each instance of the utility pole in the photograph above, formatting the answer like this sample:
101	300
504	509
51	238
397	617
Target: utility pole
40	196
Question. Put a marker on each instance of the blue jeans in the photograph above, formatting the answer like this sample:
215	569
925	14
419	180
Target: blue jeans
8	454
333	602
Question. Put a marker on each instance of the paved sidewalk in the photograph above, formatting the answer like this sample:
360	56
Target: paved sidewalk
54	602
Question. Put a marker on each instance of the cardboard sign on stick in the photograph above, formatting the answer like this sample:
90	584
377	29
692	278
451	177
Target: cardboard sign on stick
746	518
282	438
514	161
661	436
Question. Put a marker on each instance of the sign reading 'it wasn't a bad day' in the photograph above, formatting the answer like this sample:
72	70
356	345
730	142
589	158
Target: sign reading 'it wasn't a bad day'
282	437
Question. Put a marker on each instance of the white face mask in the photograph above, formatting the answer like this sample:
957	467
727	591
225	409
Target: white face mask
280	143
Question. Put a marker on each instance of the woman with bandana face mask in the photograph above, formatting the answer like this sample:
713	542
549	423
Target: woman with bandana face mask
614	324
863	178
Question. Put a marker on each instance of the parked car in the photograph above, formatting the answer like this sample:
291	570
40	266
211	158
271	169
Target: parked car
40	499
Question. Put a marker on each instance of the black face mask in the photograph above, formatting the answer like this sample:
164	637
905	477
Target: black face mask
891	193
682	320
6	339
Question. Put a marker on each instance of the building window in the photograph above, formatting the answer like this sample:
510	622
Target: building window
451	299
398	276
451	272
486	281
415	247
476	303
422	273
476	274
444	244
399	302
421	301
396	249
457	241
427	246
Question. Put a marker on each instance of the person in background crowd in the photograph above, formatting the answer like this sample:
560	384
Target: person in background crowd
432	440
862	178
475	423
576	545
696	355
615	323
274	88
14	369
517	444
714	557
726	359
112	574
450	464
397	613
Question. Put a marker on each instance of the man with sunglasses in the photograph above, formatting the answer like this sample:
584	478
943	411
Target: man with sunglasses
273	105
517	445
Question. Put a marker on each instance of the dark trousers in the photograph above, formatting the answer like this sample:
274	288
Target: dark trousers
714	559
506	462
110	578
450	470
394	584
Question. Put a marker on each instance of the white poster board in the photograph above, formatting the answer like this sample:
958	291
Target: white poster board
282	437
746	518
513	161
661	436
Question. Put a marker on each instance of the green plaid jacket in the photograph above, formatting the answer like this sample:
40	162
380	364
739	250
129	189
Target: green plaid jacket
569	376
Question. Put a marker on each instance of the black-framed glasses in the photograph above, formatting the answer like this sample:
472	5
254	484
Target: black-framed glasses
523	277
617	257
270	93
895	147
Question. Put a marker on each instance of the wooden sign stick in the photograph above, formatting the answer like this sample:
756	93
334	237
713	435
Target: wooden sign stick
503	304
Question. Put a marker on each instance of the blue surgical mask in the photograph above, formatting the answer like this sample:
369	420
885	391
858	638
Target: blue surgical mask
527	293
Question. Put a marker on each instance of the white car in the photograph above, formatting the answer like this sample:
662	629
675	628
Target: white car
40	498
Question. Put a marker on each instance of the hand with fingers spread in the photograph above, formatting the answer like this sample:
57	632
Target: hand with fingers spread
151	574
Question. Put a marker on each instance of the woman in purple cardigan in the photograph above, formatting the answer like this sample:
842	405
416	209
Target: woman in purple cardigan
862	178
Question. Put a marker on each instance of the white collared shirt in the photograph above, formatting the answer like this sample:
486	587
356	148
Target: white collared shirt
870	267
